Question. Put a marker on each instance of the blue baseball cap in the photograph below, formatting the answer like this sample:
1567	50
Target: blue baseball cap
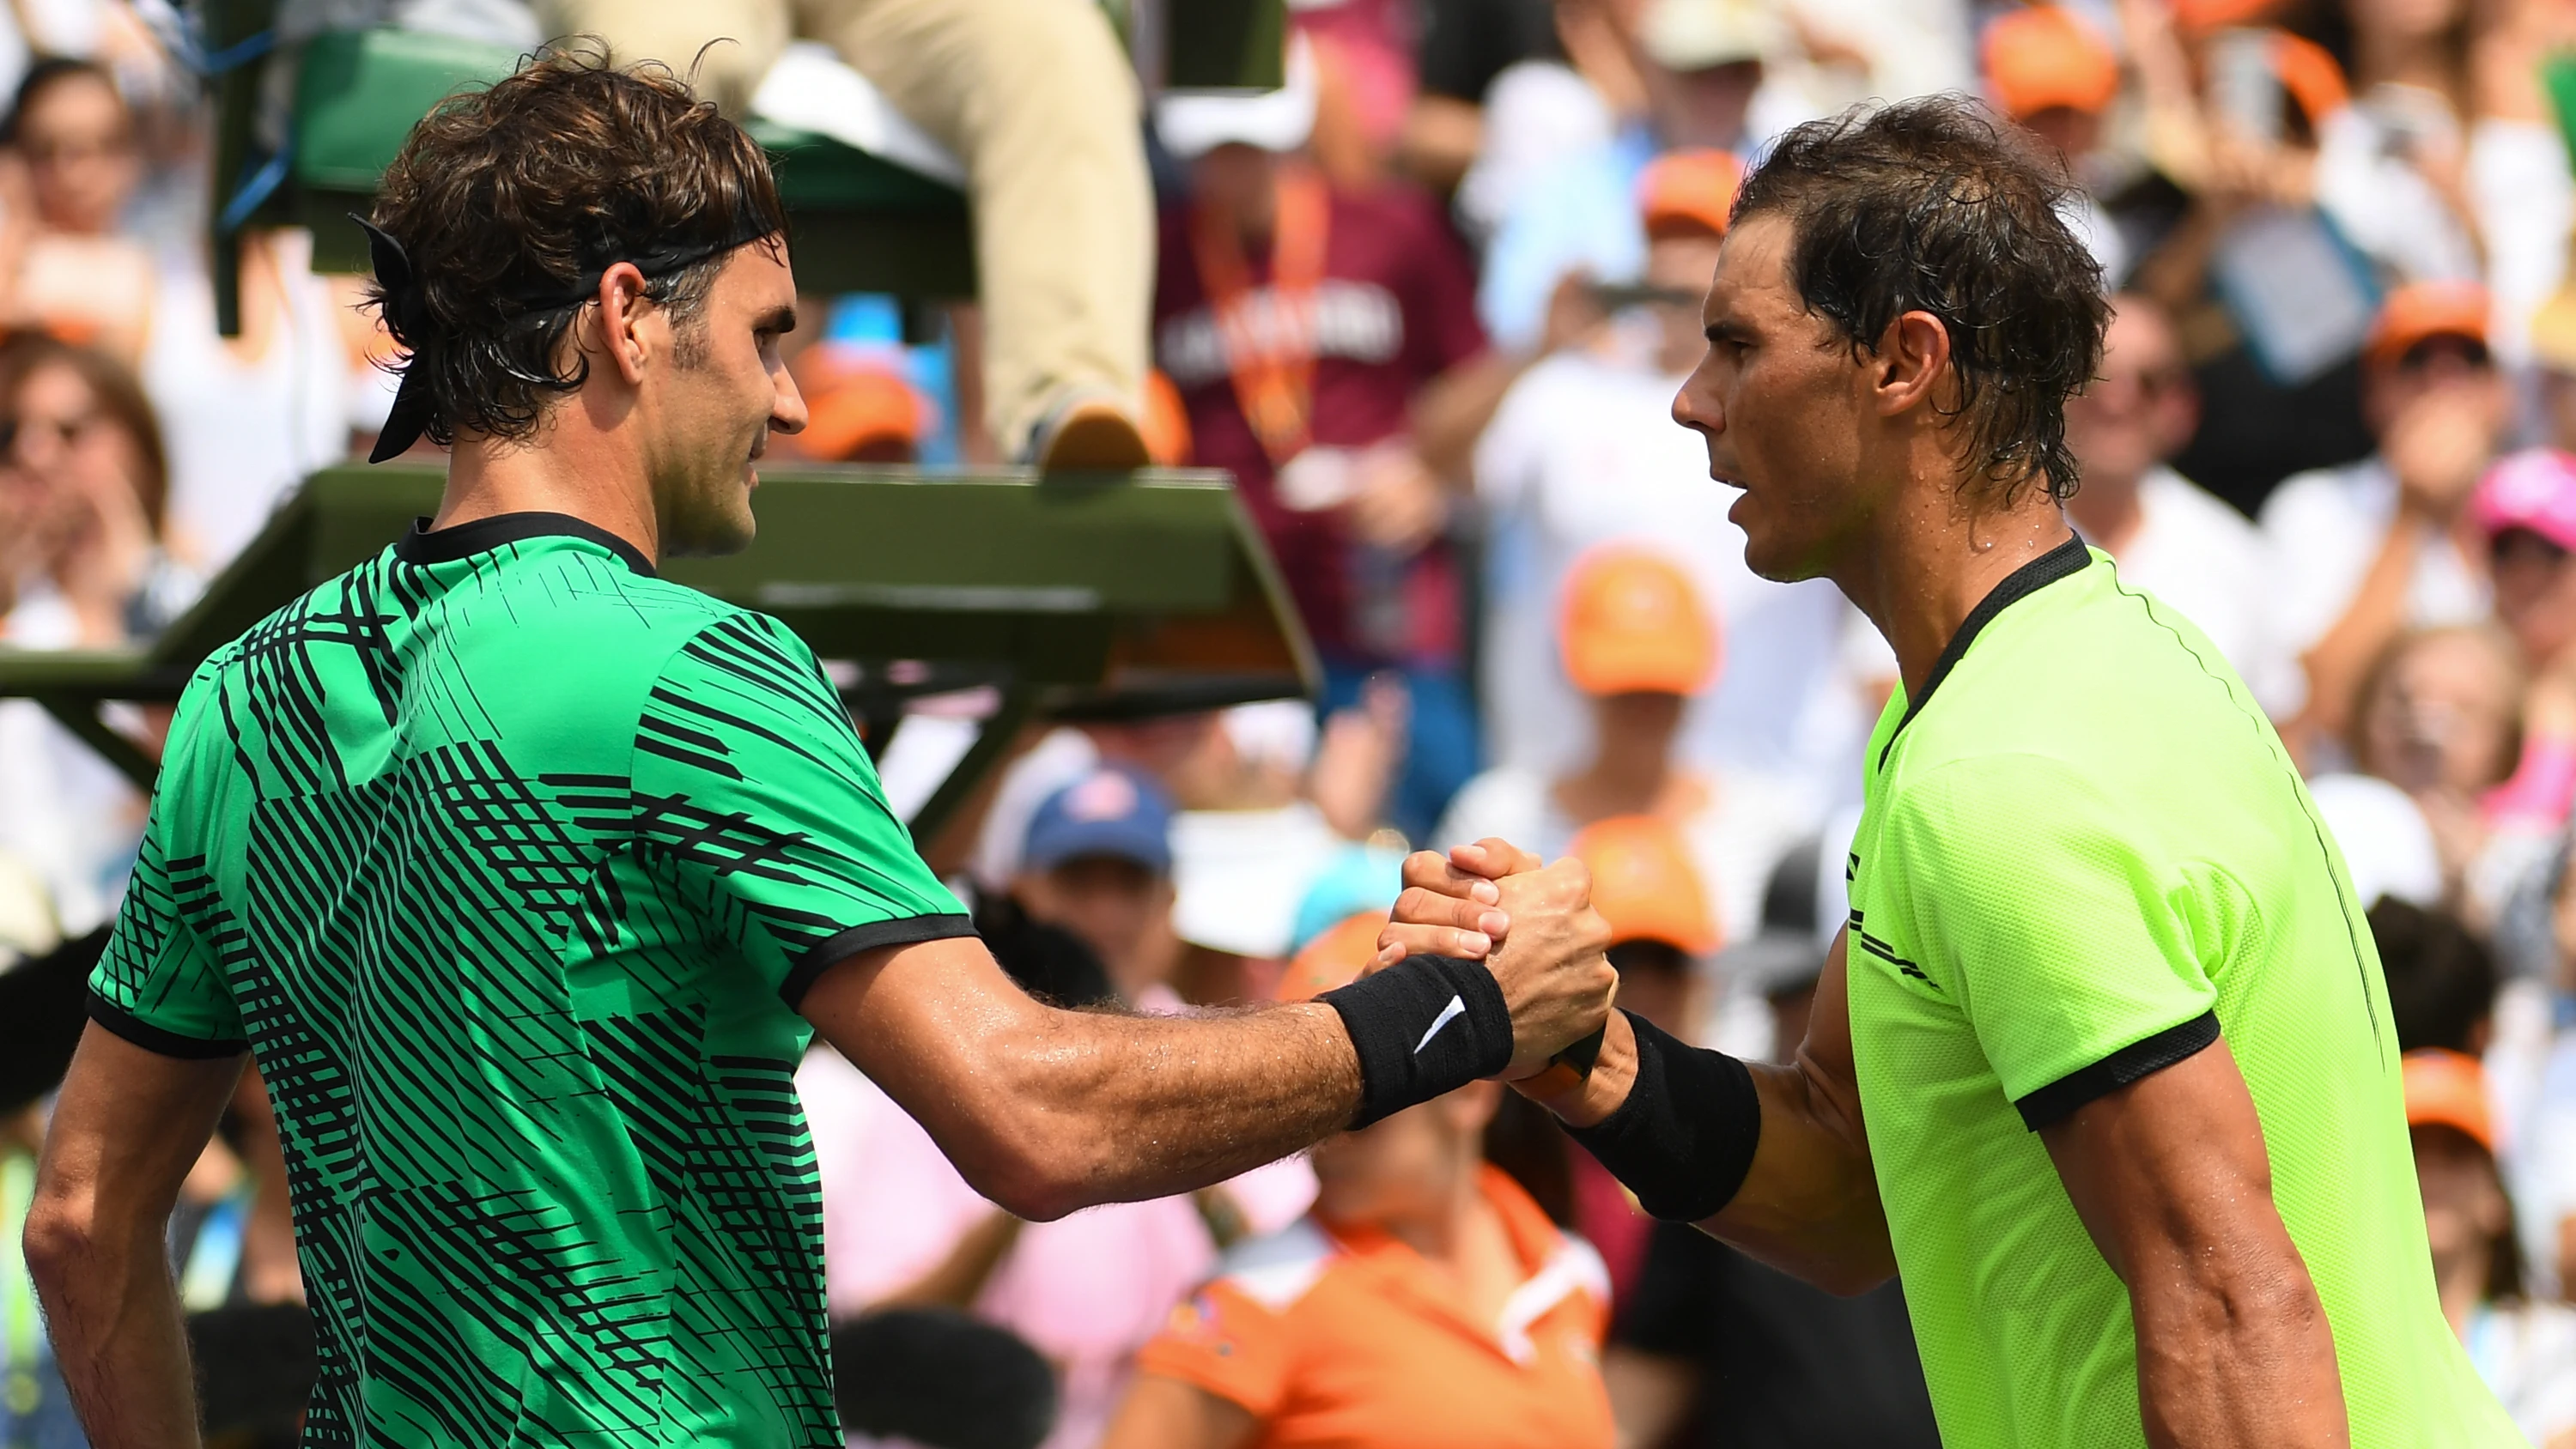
1113	811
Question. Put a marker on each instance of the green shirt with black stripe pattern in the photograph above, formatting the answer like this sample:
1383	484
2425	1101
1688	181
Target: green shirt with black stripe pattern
2084	857
510	863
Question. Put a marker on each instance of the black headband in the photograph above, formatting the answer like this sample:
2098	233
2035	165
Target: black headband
407	310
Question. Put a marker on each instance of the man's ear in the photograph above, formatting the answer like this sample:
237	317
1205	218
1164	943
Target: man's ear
1912	365
623	308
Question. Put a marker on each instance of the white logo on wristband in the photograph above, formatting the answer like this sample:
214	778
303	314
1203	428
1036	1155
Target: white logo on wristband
1454	1010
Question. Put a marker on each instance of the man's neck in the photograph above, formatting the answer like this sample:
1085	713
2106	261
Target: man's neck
567	469
2108	511
1934	561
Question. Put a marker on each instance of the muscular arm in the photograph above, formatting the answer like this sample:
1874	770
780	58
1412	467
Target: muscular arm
1809	1204
1045	1111
2172	1180
126	1129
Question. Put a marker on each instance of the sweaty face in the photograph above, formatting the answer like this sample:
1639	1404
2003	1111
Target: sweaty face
722	388
1781	401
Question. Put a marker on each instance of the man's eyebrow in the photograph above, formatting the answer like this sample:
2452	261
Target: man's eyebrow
1724	329
781	318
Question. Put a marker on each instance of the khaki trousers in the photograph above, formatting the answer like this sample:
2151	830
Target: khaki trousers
1038	101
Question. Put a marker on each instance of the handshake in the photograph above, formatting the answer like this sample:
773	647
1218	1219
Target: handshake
1531	924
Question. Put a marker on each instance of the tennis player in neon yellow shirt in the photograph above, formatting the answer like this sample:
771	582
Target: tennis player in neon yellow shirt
2102	1065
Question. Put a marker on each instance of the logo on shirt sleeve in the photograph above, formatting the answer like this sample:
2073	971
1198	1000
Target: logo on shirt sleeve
1887	953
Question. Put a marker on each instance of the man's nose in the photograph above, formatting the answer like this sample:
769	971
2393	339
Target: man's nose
787	405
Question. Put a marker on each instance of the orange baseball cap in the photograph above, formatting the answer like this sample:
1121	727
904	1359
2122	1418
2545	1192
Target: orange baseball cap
2041	57
2421	311
1645	883
2447	1089
864	408
1634	622
1332	959
1688	193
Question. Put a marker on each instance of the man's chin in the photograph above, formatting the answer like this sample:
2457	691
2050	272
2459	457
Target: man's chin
709	537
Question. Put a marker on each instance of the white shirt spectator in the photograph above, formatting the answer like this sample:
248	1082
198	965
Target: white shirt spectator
2516	180
1583	451
1537	113
2323	527
2207	561
2526	1352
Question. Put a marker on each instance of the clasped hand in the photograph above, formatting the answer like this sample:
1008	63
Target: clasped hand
1531	924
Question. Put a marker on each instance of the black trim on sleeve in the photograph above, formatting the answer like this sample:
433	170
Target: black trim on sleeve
902	931
155	1040
426	545
2067	558
2135	1062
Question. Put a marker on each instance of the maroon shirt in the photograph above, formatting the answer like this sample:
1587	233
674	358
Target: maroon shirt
1396	308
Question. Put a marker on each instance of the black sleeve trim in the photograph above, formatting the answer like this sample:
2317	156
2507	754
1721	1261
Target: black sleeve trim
153	1039
2135	1062
903	931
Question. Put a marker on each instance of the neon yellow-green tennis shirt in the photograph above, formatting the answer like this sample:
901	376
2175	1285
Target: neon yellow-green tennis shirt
2086	856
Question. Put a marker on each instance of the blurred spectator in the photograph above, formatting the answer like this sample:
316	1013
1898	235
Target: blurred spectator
2525	1350
2441	978
1583	452
2525	507
1426	1301
1716	1349
2050	70
1325	345
82	492
1661	934
1535	114
2439	719
2272	301
1638	641
2445	166
2170	538
1702	61
2364	551
902	1229
1099	865
65	265
1467	46
2553	365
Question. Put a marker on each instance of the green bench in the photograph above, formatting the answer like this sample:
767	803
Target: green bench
1066	596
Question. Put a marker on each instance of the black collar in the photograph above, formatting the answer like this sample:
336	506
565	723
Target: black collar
424	545
2030	578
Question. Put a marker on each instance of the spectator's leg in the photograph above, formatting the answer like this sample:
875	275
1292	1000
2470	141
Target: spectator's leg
1037	99
676	32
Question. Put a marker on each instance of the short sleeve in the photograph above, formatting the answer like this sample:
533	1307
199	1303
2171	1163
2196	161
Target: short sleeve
2047	915
158	983
1224	1342
755	802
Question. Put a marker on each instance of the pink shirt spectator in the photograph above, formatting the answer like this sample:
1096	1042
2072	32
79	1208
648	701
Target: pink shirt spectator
1086	1291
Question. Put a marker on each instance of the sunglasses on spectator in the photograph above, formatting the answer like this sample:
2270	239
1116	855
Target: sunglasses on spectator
2524	543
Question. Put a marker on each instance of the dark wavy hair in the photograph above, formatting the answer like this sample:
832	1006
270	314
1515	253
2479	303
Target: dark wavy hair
1934	205
524	189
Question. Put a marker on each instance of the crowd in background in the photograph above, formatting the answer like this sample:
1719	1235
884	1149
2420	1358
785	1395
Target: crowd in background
1429	304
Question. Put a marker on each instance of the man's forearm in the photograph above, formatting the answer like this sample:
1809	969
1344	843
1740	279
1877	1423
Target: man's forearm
1808	1201
2236	1355
114	1318
1124	1108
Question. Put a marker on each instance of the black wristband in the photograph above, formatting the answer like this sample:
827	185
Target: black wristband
1684	1139
1424	1026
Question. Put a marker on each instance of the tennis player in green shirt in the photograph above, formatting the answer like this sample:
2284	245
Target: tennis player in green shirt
526	876
2101	1064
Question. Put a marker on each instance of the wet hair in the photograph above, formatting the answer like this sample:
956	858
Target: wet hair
1936	205
509	198
2441	976
113	390
43	76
